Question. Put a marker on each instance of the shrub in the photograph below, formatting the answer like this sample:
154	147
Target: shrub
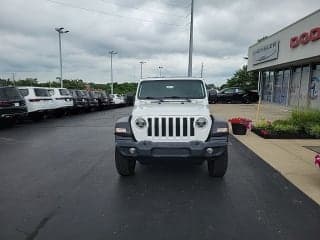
314	130
263	124
276	122
285	128
306	122
305	116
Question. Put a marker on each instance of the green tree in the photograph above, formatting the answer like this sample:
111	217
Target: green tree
243	78
121	88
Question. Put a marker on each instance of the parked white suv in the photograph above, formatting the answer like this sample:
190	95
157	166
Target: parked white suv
63	100
171	120
38	100
117	99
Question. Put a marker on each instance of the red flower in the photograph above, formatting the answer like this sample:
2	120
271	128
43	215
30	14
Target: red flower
240	120
317	160
264	132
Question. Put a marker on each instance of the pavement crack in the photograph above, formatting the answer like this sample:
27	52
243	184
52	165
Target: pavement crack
41	225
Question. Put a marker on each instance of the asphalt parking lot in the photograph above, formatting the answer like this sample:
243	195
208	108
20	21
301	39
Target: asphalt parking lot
58	181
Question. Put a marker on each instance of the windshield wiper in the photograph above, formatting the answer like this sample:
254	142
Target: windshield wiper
178	98
153	98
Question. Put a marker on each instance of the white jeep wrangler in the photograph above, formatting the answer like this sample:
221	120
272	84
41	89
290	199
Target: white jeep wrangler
171	120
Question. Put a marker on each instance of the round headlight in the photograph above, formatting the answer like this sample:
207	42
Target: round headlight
201	122
141	123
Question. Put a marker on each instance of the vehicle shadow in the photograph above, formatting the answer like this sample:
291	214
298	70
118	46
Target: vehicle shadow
174	180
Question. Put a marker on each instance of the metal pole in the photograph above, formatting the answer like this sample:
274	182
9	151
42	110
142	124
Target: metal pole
191	42
141	63
111	69
60	31
13	80
259	92
61	82
201	70
160	70
111	75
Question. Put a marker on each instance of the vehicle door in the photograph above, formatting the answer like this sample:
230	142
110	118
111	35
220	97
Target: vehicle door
226	95
239	95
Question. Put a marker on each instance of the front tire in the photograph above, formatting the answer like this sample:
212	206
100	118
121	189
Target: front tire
125	166
217	167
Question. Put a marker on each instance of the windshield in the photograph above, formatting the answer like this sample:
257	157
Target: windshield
174	89
51	92
41	92
64	92
24	92
9	93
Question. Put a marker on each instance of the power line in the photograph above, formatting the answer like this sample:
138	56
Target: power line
139	9
111	14
176	4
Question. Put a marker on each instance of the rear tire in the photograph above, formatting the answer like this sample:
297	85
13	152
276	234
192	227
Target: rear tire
217	166
125	166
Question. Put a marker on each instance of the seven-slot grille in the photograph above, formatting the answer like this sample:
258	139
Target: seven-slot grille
170	127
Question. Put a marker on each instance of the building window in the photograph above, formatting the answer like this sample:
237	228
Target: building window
266	86
315	83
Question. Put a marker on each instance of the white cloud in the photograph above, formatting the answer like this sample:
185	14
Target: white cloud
137	30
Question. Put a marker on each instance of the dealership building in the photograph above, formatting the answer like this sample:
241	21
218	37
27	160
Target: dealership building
288	63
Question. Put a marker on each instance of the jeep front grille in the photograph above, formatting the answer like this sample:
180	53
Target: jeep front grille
167	127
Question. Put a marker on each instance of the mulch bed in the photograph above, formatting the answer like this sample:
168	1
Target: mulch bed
276	135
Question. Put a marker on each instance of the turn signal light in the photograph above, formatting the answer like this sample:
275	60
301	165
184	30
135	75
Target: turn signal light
121	130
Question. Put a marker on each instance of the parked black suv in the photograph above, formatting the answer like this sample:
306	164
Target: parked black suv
103	100
93	100
237	95
212	95
130	98
80	101
12	105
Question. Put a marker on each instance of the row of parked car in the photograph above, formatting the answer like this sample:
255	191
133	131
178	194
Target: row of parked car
36	102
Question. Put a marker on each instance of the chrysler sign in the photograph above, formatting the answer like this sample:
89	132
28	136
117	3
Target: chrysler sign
266	53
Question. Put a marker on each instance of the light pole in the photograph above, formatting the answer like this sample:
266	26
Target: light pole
13	80
60	31
191	42
141	63
201	74
111	70
160	67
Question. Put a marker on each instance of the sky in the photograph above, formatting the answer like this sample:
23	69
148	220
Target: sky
154	31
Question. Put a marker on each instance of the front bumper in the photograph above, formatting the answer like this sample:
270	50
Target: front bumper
17	112
149	151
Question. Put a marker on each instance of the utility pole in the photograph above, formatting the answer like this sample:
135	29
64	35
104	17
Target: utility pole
141	63
201	70
160	67
191	42
111	70
60	31
13	80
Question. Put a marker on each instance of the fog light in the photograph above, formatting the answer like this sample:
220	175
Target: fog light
209	150
132	150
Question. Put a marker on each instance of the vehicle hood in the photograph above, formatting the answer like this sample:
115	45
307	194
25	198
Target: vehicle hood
171	109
